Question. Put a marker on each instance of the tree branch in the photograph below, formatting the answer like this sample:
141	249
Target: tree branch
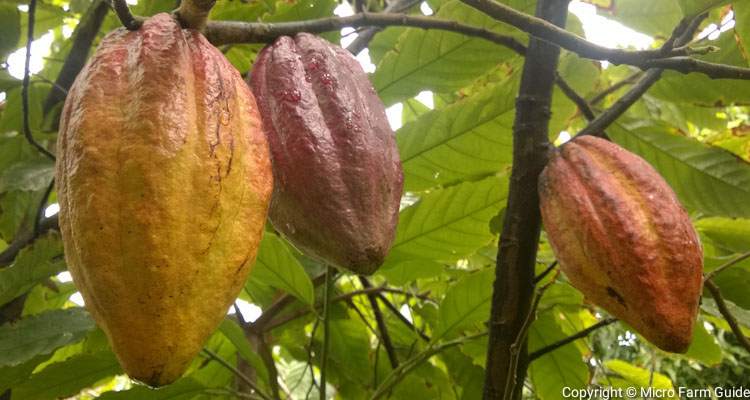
682	34
724	310
264	351
365	36
513	288
603	121
193	14
83	38
554	346
224	32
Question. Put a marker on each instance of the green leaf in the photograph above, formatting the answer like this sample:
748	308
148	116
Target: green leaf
742	316
469	138
451	223
558	369
438	60
47	17
34	263
412	110
183	389
695	7
29	175
17	374
637	376
42	334
277	267
706	179
67	378
349	349
10	28
731	234
466	303
409	271
704	347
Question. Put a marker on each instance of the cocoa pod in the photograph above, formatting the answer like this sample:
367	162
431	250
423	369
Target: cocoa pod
623	239
336	166
164	180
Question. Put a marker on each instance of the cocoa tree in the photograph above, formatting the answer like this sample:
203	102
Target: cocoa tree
505	79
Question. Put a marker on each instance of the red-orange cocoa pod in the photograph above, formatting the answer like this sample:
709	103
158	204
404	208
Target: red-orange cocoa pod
164	180
623	239
336	166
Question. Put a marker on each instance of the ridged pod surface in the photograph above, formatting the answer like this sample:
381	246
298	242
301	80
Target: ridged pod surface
336	165
623	239
164	180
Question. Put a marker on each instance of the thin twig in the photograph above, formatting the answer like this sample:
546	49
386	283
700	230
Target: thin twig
603	121
407	366
275	323
25	87
585	332
397	313
41	208
264	351
724	310
726	265
236	372
385	337
617	86
326	331
579	101
546	271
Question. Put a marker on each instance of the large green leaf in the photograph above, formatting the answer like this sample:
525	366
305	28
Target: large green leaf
730	234
654	18
66	378
438	60
704	347
42	334
639	377
183	389
706	179
469	138
32	174
277	267
695	7
466	303
561	368
451	223
10	28
38	261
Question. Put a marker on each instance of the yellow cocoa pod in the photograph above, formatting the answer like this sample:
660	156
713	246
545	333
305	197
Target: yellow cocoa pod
164	180
623	239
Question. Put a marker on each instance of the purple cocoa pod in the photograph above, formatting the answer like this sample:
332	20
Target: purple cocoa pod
338	174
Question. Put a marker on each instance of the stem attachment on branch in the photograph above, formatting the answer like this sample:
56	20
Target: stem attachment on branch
193	14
